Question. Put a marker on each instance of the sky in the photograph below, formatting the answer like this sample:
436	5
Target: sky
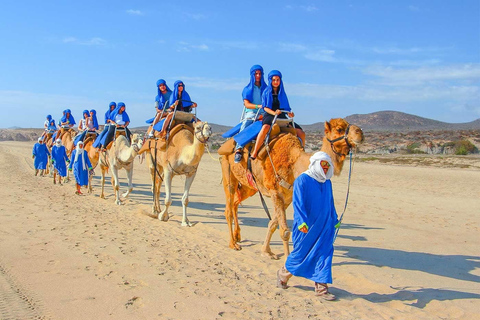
337	58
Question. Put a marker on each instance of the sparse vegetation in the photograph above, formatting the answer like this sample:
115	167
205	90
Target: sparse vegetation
413	148
464	147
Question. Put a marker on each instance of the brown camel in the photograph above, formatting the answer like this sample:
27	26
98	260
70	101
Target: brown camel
181	156
289	162
93	155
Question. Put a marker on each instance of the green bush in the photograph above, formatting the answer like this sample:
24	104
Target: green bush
413	148
464	147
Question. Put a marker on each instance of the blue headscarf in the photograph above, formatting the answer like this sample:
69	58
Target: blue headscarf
85	112
267	97
94	118
109	112
159	97
49	117
248	90
185	96
64	118
117	110
51	125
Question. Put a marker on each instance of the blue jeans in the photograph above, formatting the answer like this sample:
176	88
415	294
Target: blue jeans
245	123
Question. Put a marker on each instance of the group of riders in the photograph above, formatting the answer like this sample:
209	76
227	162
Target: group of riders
264	104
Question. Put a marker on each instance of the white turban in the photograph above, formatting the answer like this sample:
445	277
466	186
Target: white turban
79	153
58	142
315	169
40	139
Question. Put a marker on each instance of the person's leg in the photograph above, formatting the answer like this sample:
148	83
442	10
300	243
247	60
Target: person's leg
166	123
283	275
78	190
260	138
301	135
238	147
321	290
109	137
151	132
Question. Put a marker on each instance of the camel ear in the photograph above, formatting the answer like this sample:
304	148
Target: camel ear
328	127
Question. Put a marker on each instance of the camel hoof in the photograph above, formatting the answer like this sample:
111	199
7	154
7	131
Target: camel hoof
235	246
118	202
238	238
270	255
163	217
186	224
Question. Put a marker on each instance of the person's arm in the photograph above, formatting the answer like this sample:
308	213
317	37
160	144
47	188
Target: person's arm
271	112
126	124
250	105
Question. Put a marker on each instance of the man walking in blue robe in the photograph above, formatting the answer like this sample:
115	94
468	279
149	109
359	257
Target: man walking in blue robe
59	159
40	155
314	224
81	166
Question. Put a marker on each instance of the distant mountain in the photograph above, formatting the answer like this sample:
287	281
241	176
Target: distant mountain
398	121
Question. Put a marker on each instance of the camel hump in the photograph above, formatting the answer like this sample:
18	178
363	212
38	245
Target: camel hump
227	148
178	126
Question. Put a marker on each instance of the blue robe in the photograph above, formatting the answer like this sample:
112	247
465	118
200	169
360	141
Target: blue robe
41	153
81	175
312	253
59	157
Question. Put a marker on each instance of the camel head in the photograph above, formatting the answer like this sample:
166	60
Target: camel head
137	141
203	131
340	138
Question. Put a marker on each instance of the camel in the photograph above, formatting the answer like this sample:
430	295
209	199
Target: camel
181	156
120	156
290	160
93	155
48	142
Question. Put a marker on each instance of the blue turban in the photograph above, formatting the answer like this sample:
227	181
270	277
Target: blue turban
70	119
248	90
174	97
49	117
159	97
85	112
267	97
117	110
94	118
109	111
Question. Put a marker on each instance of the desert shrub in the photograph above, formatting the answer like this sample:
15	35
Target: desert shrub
464	147
413	148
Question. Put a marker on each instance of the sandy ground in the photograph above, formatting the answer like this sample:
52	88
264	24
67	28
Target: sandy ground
408	249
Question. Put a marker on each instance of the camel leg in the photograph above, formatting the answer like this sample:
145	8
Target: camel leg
130	181
156	200
102	195
278	217
116	185
188	184
168	194
230	185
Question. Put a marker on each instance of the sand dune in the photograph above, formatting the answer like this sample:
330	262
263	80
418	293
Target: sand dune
408	249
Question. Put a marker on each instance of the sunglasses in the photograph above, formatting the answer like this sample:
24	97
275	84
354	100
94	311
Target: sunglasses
180	85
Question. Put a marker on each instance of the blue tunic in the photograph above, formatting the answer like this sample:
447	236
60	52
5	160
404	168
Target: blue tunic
312	253
59	157
81	175
41	153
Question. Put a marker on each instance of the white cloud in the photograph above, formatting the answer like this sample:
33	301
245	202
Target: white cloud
215	84
195	16
309	8
424	75
96	41
292	47
183	46
134	12
324	55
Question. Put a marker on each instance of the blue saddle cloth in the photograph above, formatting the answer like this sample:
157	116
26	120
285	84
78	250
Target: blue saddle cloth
230	133
159	125
248	134
149	121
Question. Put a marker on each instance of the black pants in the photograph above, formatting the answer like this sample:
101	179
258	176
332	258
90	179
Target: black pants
111	133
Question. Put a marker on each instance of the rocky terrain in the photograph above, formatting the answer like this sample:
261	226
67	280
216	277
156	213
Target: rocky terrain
386	132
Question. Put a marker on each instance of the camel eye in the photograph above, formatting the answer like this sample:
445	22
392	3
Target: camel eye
339	130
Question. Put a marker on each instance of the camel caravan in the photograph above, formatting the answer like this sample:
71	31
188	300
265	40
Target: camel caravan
264	153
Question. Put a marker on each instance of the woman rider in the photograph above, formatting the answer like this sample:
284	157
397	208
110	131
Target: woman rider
180	101
274	101
119	119
111	107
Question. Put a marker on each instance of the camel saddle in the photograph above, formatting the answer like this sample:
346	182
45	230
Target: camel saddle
161	144
228	147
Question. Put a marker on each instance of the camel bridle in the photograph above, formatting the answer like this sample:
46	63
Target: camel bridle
344	137
199	134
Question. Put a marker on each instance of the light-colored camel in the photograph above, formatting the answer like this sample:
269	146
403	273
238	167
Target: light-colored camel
121	155
289	161
48	142
93	155
181	157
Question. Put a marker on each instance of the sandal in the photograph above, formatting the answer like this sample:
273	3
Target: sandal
321	291
281	284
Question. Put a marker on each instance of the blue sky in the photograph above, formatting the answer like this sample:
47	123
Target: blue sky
337	57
